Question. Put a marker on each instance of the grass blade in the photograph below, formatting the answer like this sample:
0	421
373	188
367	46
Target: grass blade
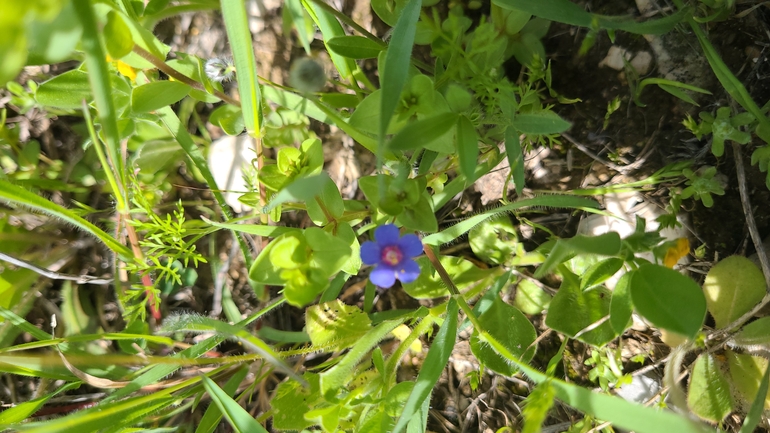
16	195
434	364
237	25
241	421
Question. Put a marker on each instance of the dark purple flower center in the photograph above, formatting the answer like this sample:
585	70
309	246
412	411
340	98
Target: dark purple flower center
392	255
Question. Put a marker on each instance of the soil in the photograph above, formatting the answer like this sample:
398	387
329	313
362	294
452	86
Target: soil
653	132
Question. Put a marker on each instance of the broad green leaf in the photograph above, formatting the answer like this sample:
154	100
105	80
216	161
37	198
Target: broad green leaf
509	327
515	157
429	284
573	310
732	287
355	47
67	90
157	155
327	204
756	333
335	325
117	36
51	42
301	190
755	412
621	306
434	364
607	244
540	122
467	145
330	28
394	72
238	417
294	14
551	200
339	375
292	401
416	134
668	299
747	373
494	240
530	298
419	216
600	272
158	94
329	252
709	393
241	43
229	118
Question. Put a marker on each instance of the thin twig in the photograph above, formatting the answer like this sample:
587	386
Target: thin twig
80	279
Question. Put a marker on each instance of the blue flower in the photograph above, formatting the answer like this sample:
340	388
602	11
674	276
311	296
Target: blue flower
392	256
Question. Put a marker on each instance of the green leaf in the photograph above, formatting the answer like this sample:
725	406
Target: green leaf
550	200
515	157
157	155
213	414
339	375
621	306
607	244
668	299
292	401
12	194
733	287
158	94
756	333
429	284
572	311
395	70
530	298
355	47
600	272
301	190
494	240
229	118
117	36
416	134
565	11
434	364
755	413
329	252
510	328
241	44
24	410
67	91
540	123
238	417
336	326
709	393
332	203
51	42
419	216
747	373
467	145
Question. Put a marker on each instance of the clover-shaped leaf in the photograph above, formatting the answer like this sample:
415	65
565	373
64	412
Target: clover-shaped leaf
723	127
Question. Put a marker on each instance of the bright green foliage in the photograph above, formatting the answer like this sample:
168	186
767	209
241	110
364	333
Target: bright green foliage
509	327
709	393
723	127
701	184
732	287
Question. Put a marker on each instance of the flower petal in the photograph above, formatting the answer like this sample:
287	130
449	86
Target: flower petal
383	276
386	235
371	254
408	271
410	246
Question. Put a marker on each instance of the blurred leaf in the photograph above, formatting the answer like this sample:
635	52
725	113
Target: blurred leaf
668	299
229	118
55	41
117	36
515	157
540	123
429	284
747	373
158	155
708	395
494	240
530	298
756	333
621	306
607	244
733	287
467	145
600	272
67	91
240	420
755	413
158	94
355	47
301	190
416	134
213	414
